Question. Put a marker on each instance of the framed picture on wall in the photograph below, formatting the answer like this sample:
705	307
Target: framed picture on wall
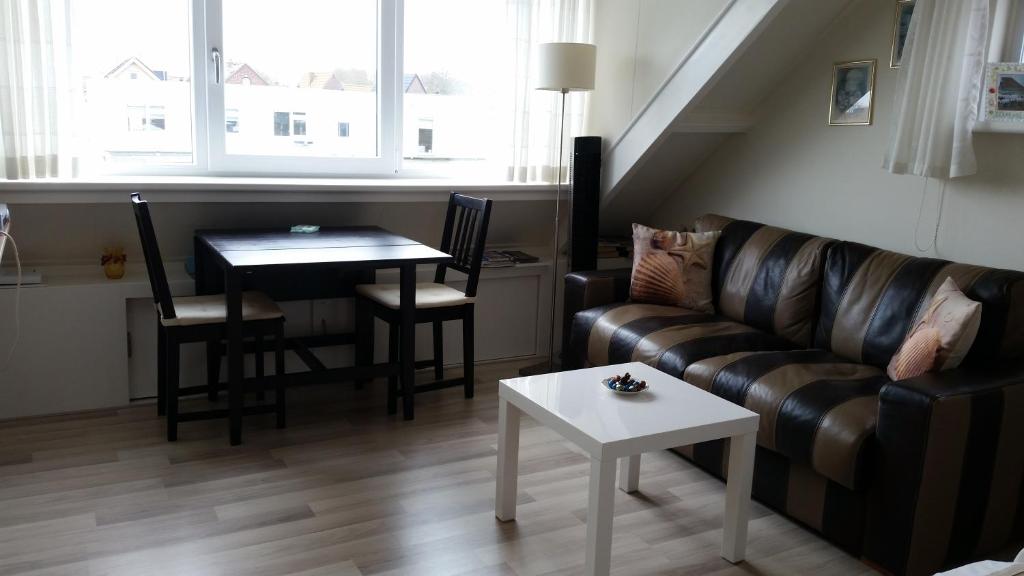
1004	95
901	25
853	93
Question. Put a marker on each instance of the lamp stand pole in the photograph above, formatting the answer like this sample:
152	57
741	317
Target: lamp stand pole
549	365
554	251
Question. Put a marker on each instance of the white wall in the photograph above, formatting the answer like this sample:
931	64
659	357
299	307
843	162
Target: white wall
639	43
793	170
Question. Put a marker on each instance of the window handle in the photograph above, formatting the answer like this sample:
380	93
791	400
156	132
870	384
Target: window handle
217	64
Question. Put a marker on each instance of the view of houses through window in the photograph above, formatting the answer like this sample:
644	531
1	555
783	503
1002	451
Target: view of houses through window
311	92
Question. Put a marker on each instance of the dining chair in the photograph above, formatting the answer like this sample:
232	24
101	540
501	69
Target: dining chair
196	319
465	233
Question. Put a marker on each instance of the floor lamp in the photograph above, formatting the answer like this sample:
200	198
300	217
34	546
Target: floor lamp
562	67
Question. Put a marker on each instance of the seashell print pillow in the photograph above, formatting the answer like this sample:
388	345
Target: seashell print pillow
672	268
942	337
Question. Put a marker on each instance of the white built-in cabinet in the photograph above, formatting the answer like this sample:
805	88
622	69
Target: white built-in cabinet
88	343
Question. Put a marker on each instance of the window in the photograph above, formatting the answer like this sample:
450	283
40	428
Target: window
282	124
155	118
304	77
142	118
1016	40
299	123
132	84
171	97
1007	41
231	121
136	118
426	140
463	92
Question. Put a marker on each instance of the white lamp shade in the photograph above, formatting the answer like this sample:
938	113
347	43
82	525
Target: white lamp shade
566	66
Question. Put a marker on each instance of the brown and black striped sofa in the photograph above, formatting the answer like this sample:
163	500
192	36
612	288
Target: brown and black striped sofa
912	476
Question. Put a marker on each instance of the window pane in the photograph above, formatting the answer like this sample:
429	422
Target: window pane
132	81
231	120
295	71
456	99
282	124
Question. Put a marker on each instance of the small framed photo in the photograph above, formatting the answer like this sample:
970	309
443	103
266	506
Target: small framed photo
853	93
904	12
1004	95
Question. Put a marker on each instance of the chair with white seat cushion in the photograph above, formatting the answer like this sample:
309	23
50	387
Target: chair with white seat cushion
465	233
212	309
428	295
195	319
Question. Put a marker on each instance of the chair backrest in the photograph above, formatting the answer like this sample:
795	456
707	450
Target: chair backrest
151	252
465	233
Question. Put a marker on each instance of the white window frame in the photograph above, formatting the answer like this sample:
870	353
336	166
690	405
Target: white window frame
1016	39
1007	39
209	152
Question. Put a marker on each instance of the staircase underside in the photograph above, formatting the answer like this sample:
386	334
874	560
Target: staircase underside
714	93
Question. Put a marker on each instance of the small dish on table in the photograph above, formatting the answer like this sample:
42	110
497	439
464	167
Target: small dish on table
624	384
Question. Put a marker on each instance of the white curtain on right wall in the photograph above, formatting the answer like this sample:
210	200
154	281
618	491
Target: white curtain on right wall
938	89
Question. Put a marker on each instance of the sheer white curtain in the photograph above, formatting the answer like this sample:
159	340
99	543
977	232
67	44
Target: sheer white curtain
34	89
938	89
533	150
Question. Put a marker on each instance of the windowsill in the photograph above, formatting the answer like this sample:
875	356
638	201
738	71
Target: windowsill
134	284
989	127
186	189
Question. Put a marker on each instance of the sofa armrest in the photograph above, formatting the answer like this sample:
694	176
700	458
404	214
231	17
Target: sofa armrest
596	288
948	484
590	289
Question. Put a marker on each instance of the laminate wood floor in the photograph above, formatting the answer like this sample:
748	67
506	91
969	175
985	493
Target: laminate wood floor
347	490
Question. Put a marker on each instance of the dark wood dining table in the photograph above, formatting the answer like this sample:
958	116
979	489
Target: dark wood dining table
299	266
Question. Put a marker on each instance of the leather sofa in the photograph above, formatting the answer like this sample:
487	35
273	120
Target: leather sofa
912	476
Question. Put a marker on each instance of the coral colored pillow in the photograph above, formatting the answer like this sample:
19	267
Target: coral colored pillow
672	268
942	337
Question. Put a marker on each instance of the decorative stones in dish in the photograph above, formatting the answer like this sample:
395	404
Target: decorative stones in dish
624	384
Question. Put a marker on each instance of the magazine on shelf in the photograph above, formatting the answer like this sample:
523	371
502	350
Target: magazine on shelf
506	258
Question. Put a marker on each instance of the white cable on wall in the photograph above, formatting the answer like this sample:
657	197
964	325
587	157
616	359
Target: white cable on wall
938	218
17	303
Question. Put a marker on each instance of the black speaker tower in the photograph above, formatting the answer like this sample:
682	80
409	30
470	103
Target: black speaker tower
585	199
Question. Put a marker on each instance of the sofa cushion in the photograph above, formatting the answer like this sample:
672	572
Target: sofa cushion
666	337
941	339
816	408
672	268
766	277
871	298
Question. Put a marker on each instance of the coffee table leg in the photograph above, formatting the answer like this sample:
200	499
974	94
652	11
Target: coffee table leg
508	461
599	516
737	497
629	474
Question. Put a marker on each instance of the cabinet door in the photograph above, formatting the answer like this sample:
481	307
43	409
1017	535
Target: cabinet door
142	369
71	352
505	323
142	341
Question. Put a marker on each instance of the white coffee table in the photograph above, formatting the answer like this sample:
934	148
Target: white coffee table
611	426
